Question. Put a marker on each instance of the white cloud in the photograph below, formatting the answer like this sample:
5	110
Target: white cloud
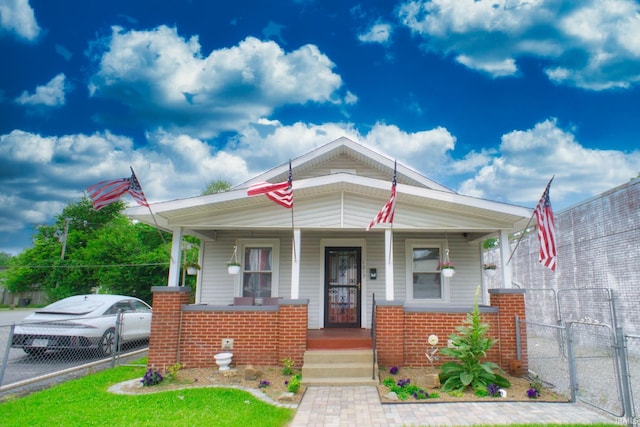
17	16
377	33
50	95
592	44
42	174
528	159
164	78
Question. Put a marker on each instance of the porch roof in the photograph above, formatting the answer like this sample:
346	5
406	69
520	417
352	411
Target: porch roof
339	200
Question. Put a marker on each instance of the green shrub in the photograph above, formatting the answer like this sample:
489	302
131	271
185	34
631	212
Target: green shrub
287	366
469	346
294	384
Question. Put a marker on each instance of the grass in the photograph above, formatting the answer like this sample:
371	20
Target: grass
86	402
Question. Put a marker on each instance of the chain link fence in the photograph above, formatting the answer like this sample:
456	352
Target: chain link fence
576	348
35	353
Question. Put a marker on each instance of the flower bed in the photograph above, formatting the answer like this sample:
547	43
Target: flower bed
417	377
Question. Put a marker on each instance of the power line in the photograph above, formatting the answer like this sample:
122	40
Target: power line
89	265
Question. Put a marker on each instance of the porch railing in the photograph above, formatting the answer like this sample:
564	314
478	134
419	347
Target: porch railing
373	335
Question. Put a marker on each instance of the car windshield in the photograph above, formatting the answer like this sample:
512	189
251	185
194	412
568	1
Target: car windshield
77	306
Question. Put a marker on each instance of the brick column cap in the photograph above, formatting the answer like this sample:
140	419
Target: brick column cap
390	303
176	289
506	291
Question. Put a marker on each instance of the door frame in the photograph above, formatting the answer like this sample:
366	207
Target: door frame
364	302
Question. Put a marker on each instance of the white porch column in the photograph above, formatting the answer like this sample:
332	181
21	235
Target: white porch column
388	264
176	255
295	265
505	252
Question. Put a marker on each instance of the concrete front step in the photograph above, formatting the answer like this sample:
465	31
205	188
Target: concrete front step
340	382
339	367
338	356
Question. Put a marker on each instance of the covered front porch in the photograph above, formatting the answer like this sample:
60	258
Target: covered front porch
191	334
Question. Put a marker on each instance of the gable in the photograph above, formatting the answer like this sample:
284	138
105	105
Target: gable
345	156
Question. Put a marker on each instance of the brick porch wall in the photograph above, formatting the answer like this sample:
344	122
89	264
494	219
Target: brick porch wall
402	332
510	303
165	324
261	335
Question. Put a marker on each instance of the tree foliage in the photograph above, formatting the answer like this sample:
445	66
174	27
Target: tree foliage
219	185
87	250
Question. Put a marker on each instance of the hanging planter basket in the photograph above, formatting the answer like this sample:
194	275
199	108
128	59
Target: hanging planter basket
233	265
446	267
192	270
489	269
448	272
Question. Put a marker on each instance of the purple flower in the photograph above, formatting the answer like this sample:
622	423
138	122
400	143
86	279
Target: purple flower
264	384
403	383
533	393
393	370
493	390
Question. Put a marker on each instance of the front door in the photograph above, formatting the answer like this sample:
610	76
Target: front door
342	276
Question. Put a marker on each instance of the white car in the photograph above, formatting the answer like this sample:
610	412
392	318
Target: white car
84	322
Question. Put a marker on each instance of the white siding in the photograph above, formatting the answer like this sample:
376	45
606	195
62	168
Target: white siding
218	287
343	162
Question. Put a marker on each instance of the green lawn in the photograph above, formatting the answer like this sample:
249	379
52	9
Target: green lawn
86	402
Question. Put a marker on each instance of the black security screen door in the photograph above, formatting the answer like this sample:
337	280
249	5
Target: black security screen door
343	274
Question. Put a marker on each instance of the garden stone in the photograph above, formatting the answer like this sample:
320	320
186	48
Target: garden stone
286	397
251	373
432	381
392	395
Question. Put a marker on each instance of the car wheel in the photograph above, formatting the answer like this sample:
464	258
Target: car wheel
31	351
108	342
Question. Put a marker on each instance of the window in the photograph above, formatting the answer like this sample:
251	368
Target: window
424	283
257	271
427	283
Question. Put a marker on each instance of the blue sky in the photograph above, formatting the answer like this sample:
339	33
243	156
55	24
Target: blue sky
489	98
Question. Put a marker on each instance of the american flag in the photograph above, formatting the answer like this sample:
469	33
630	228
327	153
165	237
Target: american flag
389	209
281	193
546	233
106	192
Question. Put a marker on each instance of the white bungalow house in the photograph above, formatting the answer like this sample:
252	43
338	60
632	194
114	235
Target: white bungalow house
320	255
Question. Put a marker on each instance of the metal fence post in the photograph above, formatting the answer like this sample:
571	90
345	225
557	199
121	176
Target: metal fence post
572	365
518	343
116	343
5	358
624	376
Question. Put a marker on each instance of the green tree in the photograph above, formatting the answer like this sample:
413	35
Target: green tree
218	185
87	249
4	258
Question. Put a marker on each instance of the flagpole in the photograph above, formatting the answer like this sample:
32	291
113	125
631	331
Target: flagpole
293	229
149	207
528	223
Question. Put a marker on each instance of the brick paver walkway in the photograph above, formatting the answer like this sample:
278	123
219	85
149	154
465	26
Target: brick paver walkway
361	407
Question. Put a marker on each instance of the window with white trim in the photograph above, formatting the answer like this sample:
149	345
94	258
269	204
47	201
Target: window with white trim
424	281
259	274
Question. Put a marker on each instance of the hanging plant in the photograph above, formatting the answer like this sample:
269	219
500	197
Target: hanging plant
192	269
446	267
233	265
489	269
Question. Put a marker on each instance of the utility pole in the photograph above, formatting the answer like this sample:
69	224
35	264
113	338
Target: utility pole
64	237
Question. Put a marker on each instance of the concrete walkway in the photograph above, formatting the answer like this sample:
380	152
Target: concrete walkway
361	407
